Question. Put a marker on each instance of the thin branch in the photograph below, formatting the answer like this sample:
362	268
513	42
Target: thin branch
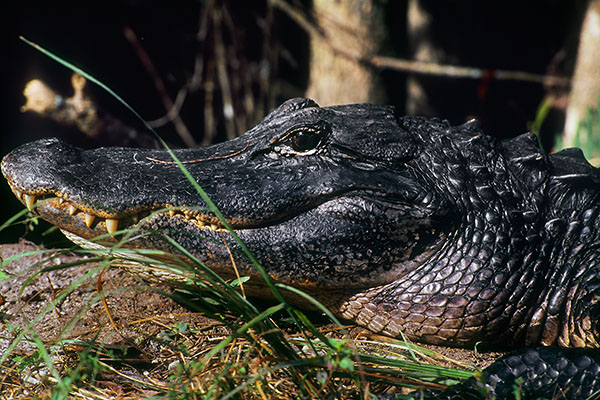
172	111
419	67
429	68
222	77
236	71
82	113
209	112
203	23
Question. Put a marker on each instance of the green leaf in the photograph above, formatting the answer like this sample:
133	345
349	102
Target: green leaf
346	363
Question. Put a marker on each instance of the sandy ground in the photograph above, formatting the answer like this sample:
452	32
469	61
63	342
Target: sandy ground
79	311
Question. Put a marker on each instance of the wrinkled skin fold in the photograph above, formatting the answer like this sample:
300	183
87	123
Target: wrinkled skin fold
402	224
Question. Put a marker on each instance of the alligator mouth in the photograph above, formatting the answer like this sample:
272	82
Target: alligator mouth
93	217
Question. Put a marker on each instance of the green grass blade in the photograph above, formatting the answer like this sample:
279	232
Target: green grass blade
12	219
316	303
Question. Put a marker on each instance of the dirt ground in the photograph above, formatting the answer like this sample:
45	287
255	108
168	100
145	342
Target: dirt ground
129	301
55	306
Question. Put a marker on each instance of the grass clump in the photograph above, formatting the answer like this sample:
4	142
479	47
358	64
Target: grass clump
244	351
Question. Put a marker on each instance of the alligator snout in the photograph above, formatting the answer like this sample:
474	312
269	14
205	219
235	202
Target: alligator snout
32	167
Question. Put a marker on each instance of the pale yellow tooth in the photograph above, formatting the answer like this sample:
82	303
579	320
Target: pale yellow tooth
112	225
171	212
72	210
61	200
29	200
89	220
213	227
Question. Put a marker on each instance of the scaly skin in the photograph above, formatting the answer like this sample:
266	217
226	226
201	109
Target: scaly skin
401	224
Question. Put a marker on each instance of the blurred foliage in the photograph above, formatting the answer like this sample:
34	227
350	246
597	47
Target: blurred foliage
587	136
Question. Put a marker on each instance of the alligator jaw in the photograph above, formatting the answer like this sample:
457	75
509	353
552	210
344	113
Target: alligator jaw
67	214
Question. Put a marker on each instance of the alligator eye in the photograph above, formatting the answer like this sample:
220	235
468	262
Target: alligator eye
304	140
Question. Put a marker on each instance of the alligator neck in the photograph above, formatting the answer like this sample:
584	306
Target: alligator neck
472	293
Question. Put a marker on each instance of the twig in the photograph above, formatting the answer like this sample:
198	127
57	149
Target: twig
172	110
222	77
236	75
195	82
81	112
429	68
196	79
420	67
199	160
209	114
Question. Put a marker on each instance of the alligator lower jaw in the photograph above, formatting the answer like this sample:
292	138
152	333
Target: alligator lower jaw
67	209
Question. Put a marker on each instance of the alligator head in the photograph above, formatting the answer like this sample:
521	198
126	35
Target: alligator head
416	225
321	196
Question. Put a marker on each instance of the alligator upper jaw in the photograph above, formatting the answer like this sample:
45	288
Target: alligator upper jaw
37	171
80	190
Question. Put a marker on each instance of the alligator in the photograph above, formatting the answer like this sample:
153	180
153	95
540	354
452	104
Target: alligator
406	225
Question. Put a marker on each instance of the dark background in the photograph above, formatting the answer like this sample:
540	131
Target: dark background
537	36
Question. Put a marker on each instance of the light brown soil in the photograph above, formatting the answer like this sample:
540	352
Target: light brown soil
130	301
141	315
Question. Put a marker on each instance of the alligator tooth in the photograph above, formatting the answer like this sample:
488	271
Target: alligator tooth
89	220
213	227
61	200
112	225
29	200
72	210
171	213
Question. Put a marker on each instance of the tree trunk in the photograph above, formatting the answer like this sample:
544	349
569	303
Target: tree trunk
422	48
585	91
356	27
